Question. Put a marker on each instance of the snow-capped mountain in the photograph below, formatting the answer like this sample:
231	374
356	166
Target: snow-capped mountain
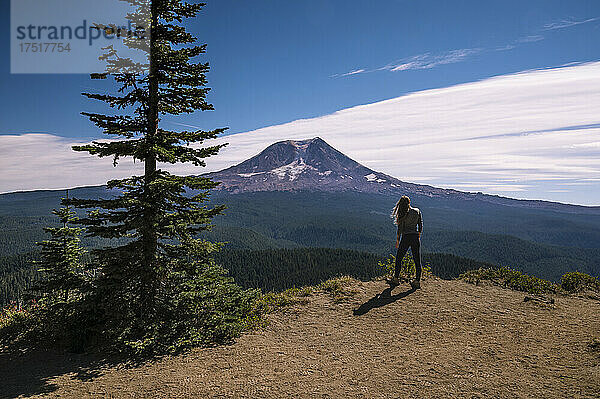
305	165
313	165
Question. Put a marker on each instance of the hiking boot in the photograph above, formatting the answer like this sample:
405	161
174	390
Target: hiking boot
393	281
415	284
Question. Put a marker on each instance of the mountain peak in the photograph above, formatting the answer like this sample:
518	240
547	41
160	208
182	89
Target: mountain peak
314	165
303	144
309	164
300	147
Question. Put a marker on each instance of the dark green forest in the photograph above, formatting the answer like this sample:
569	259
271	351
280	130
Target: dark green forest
17	274
279	269
283	216
269	269
255	225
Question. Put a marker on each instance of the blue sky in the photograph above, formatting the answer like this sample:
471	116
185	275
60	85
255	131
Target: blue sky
278	61
272	61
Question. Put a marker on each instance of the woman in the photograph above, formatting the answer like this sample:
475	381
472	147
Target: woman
410	227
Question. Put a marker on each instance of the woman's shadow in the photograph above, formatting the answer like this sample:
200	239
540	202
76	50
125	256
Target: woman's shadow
385	297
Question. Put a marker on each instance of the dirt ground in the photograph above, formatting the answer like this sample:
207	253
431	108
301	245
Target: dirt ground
447	340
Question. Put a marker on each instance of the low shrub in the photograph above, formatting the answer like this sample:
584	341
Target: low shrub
274	300
338	288
271	301
407	268
577	282
16	323
510	278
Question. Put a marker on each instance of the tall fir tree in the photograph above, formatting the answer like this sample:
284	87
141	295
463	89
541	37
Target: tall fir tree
159	289
63	287
61	262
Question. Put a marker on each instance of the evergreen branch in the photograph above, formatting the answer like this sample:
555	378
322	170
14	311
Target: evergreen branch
120	125
117	149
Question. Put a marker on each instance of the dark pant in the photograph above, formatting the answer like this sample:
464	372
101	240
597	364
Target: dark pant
412	241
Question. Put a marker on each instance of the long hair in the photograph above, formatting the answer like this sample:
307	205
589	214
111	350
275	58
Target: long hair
401	209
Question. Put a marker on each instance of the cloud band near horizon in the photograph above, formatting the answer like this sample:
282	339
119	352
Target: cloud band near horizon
534	134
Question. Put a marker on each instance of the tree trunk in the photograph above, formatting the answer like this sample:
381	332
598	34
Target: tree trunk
150	239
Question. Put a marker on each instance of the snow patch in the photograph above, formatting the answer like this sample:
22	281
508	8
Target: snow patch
372	177
302	144
291	170
250	174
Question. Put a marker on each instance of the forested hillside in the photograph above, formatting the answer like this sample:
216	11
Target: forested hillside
279	269
17	273
271	211
24	214
353	221
270	269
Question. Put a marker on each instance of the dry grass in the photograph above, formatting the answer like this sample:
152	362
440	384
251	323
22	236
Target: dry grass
449	339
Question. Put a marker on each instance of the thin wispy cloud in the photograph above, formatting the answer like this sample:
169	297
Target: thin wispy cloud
355	72
505	48
422	137
421	61
530	39
352	72
184	125
567	23
428	61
